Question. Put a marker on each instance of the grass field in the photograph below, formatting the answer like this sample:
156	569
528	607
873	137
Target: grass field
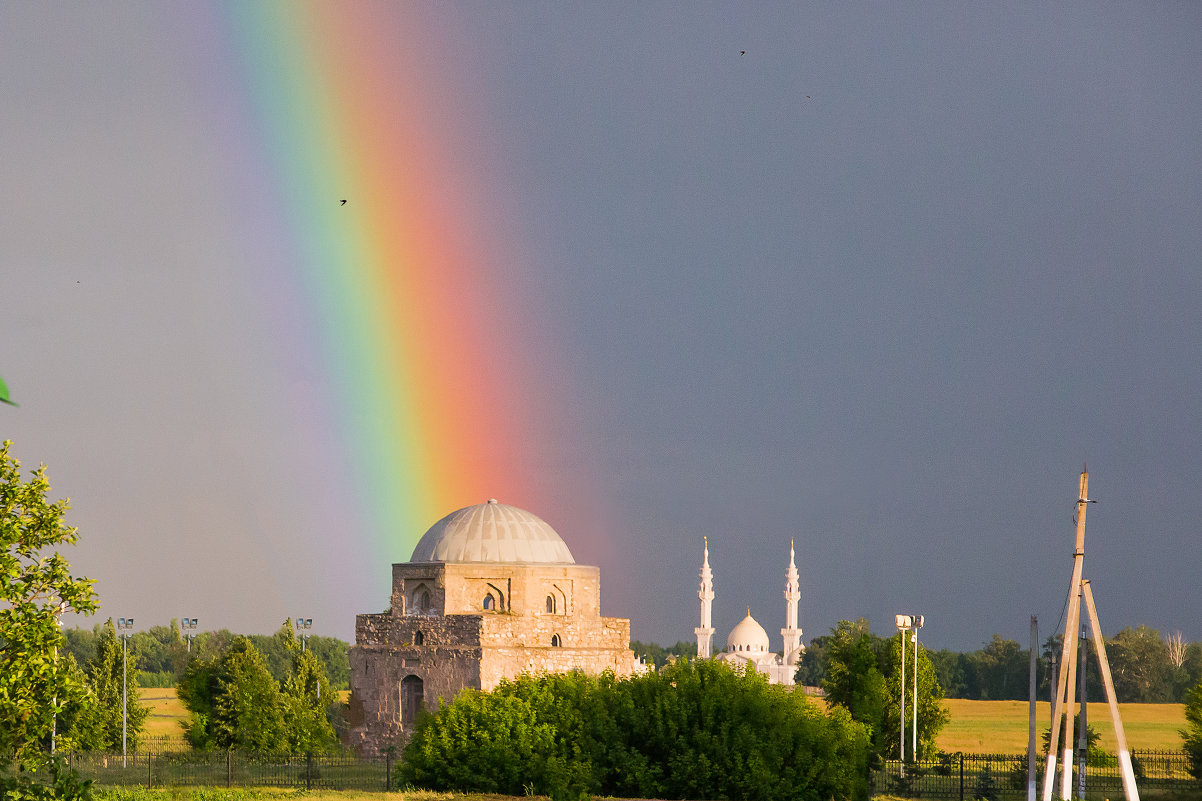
166	712
1001	726
978	727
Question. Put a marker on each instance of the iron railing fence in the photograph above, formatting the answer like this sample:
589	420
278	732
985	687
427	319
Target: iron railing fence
235	769
965	777
1003	777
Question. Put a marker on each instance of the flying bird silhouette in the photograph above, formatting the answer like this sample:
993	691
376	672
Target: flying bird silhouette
742	52
343	203
4	394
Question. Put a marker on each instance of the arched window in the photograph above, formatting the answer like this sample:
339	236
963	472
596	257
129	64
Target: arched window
550	604
411	700
489	603
424	603
419	639
555	641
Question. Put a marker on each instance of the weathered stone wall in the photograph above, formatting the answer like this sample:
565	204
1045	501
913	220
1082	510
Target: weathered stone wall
453	642
387	650
523	645
460	589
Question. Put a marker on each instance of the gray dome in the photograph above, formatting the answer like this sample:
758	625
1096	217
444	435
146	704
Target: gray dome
492	532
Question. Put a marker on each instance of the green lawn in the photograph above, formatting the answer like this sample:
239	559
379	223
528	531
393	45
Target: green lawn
1001	726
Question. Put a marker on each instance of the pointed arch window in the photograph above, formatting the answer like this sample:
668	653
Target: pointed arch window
424	602
412	694
555	641
419	639
550	604
489	602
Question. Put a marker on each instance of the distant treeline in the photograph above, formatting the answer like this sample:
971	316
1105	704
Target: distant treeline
161	653
1147	667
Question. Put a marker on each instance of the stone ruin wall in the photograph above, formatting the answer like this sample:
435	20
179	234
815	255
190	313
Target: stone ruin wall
385	653
465	646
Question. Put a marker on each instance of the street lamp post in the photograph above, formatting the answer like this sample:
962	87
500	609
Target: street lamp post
302	626
124	625
189	629
918	621
904	622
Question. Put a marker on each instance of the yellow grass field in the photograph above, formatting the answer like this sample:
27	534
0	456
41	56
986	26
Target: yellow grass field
1001	726
166	712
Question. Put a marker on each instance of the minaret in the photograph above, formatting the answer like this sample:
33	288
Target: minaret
791	632
705	632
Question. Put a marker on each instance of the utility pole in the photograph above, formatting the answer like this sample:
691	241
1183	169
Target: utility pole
1062	702
1031	691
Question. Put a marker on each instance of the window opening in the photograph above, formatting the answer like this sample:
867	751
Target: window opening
411	699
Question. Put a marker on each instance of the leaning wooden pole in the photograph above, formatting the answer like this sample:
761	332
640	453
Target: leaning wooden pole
1068	645
1066	750
1129	789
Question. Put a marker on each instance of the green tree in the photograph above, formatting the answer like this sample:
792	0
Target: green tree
1001	668
854	679
1139	664
1192	735
812	669
96	726
306	697
954	674
233	702
932	716
658	656
36	587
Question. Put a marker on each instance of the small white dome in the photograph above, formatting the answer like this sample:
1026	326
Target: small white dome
748	636
492	532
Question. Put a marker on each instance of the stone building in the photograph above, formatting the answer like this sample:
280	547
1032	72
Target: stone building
747	643
490	592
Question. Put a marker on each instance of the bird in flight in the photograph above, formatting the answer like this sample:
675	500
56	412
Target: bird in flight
742	52
343	203
4	394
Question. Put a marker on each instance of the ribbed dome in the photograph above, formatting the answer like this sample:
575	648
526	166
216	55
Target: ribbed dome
747	636
492	532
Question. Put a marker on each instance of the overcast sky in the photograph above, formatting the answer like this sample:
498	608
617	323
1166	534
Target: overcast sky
880	284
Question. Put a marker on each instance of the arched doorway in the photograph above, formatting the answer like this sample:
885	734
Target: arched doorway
411	700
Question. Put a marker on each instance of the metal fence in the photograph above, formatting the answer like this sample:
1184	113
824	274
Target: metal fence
1002	777
234	769
966	777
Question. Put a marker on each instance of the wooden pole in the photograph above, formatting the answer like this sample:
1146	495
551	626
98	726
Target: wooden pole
1129	789
1070	635
1082	721
1031	694
1068	644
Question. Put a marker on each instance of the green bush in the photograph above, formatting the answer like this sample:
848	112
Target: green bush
697	729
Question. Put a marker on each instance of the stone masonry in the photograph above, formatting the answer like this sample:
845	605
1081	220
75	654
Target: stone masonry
469	625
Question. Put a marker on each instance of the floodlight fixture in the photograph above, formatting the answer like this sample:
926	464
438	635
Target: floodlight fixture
303	624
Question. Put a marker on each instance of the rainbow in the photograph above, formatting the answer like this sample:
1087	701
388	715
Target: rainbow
428	368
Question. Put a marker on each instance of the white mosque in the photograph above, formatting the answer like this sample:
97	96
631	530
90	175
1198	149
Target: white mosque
747	643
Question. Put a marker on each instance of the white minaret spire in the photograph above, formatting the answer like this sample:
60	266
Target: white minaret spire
705	632
791	632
